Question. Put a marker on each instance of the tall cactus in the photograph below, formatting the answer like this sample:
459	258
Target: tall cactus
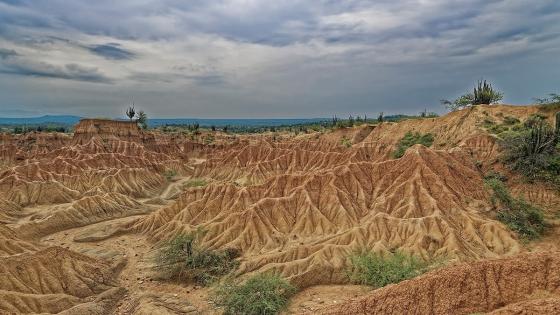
542	138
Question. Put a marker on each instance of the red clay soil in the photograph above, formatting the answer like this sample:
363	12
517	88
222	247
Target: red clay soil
506	286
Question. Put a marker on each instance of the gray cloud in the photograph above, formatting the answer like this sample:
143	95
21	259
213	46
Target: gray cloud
73	72
7	53
163	77
293	57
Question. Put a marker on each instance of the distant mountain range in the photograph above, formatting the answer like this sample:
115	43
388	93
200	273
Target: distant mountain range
68	120
48	119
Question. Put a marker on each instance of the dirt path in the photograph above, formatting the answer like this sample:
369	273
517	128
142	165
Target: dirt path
148	295
316	297
145	293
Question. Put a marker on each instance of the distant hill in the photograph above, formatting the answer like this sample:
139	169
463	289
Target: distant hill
68	120
233	122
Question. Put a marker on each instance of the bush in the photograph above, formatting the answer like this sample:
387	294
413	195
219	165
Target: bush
169	174
509	120
372	269
533	151
411	139
181	258
345	142
262	294
521	217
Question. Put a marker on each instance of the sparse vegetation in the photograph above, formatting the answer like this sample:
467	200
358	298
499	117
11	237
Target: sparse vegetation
262	294
38	128
169	174
195	182
183	259
369	268
552	102
483	93
426	114
533	150
520	216
411	139
209	139
508	120
346	142
142	119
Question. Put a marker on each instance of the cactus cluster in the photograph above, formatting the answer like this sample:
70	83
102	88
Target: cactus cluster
542	138
483	93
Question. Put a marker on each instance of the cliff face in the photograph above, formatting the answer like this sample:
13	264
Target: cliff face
107	130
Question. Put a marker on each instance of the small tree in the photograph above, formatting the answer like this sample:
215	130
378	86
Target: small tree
380	117
483	93
142	119
130	112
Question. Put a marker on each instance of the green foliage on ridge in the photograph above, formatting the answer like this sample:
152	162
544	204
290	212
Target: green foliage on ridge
411	139
520	216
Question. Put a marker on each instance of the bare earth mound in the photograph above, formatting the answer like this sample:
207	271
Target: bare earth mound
502	286
82	216
52	280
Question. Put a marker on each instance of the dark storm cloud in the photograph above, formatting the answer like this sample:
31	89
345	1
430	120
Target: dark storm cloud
112	51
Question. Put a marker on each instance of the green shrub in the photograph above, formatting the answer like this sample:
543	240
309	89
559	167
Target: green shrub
533	151
411	139
509	120
181	258
195	182
488	122
495	175
521	217
209	139
345	142
369	268
262	294
498	129
169	174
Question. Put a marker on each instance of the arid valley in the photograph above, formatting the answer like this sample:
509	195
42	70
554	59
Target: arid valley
83	216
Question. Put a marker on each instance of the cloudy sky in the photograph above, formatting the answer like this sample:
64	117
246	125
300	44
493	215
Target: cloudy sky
289	58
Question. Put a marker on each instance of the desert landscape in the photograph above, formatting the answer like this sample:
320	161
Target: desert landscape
84	216
257	157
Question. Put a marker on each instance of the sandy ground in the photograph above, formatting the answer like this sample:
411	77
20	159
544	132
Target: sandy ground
138	275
